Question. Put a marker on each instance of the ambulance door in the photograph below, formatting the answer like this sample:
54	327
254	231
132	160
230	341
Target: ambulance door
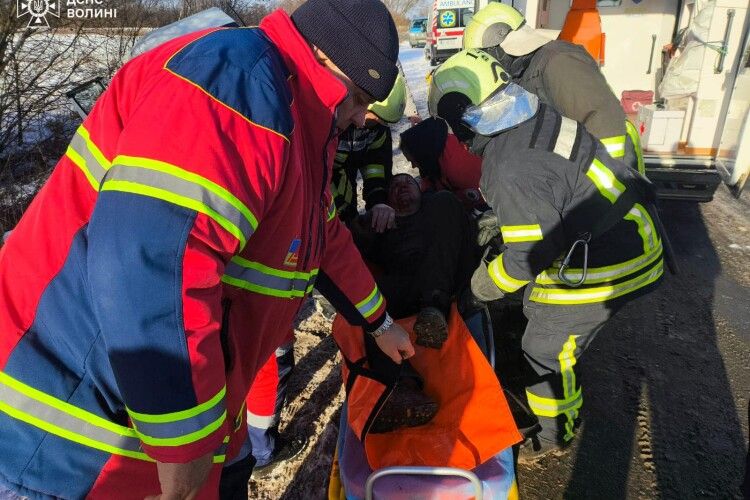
733	156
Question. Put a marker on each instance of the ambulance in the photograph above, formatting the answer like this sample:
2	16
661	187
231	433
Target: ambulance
682	71
445	28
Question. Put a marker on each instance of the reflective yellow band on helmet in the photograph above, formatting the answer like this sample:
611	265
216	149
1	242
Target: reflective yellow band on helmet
518	234
88	157
371	304
615	145
502	279
596	294
265	280
181	427
374	170
175	185
605	181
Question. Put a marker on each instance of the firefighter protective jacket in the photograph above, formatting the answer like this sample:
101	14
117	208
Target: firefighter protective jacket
552	183
165	259
368	151
565	76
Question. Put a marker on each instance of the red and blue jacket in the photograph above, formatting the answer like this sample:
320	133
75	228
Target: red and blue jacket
164	261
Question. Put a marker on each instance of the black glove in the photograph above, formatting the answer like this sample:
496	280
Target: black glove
488	228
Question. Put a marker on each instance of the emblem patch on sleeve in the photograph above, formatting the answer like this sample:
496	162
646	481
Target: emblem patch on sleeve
292	256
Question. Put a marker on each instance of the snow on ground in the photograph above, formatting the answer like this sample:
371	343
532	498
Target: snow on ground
315	390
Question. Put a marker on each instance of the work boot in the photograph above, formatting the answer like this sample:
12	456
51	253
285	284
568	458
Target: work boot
535	448
431	328
407	406
284	449
526	422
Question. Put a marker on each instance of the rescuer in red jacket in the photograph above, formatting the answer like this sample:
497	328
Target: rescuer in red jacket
166	257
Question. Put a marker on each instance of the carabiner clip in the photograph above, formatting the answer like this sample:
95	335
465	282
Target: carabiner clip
584	240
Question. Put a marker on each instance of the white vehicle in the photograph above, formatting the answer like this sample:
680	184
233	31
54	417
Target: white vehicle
697	132
445	28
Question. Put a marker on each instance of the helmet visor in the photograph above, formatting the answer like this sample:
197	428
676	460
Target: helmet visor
505	109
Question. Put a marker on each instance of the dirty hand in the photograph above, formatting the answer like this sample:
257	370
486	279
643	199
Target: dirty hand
488	227
182	481
383	217
395	343
414	119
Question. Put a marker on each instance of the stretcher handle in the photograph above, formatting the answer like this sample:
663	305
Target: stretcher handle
423	471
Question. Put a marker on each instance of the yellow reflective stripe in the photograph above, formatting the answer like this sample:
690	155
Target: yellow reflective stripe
181	427
179	415
374	170
605	181
331	212
259	278
162	194
81	164
646	228
549	407
378	142
371	304
93	148
502	279
87	157
62	419
65	407
187	438
615	145
567	360
191	177
224	203
635	138
69	435
597	294
517	234
605	274
281	273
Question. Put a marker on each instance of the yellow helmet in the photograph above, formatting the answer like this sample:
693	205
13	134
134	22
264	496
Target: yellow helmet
391	109
472	73
490	26
473	93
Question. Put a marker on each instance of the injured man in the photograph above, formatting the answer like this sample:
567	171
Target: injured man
426	260
421	265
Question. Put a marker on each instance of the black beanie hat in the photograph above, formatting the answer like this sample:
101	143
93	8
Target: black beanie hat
358	35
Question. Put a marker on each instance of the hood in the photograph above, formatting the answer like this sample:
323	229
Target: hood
425	142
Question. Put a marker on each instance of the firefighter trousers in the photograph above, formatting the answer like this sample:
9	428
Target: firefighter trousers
553	342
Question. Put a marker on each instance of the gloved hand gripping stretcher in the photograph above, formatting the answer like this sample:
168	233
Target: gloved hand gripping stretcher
471	434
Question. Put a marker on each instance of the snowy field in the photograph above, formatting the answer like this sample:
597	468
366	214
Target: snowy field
316	392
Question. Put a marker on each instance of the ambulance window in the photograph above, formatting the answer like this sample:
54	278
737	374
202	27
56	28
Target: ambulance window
608	3
466	15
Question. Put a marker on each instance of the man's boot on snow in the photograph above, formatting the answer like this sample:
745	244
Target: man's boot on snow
407	406
431	328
